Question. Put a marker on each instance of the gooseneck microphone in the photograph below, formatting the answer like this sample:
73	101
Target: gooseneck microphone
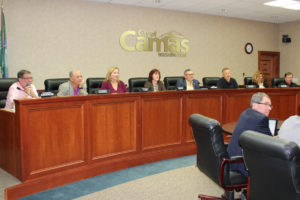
23	91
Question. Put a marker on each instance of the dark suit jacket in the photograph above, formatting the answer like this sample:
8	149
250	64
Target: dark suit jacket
161	86
222	83
249	120
287	85
265	85
182	83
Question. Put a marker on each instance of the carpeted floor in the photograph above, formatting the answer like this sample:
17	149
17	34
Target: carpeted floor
169	179
179	184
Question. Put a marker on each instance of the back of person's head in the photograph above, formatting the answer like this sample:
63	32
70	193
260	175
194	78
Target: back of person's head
109	72
258	97
153	71
22	72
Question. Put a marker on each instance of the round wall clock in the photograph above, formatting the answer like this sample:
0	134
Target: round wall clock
248	48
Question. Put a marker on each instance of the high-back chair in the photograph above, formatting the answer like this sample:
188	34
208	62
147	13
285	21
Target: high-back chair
5	83
248	83
52	85
210	82
212	156
276	82
136	84
273	165
94	84
170	82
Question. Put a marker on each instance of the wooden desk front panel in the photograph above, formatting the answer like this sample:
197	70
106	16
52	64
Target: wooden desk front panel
284	104
113	127
234	104
161	121
10	159
53	138
209	104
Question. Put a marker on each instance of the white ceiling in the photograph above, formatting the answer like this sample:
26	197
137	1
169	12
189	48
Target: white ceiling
244	9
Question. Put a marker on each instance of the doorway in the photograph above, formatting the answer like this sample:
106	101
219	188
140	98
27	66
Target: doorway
268	64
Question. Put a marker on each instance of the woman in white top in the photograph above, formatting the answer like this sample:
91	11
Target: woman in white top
258	80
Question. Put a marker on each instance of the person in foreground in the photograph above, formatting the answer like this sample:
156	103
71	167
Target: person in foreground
188	82
255	118
75	86
112	82
23	89
226	82
258	80
290	129
288	78
154	83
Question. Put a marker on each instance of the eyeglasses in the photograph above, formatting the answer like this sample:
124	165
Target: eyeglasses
28	78
266	104
189	74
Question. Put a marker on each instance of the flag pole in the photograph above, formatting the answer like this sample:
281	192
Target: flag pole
1	42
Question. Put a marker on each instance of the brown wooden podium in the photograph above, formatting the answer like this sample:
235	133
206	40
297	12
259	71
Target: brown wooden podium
54	141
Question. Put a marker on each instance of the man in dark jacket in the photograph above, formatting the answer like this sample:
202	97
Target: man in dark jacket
188	82
226	82
288	78
254	118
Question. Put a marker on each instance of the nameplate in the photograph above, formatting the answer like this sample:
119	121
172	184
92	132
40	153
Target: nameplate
282	86
179	88
250	86
144	89
213	87
47	94
102	91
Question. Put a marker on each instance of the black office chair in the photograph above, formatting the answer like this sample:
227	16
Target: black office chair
210	82
273	165
136	84
248	83
212	156
170	82
52	85
276	82
5	83
94	84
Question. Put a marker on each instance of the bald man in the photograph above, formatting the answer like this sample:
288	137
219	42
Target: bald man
75	86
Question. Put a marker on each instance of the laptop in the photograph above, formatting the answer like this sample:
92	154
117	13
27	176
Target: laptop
273	126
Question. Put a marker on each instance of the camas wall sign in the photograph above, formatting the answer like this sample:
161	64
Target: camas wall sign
171	44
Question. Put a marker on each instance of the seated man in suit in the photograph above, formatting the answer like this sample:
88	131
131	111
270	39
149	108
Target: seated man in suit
288	77
290	128
188	82
226	81
254	118
75	86
23	89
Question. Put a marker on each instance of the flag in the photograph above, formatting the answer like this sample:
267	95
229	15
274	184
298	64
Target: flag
3	59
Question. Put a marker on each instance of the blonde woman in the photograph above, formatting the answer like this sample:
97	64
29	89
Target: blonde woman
112	82
258	80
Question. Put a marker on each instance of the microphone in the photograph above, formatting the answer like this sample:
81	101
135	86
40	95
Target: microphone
22	90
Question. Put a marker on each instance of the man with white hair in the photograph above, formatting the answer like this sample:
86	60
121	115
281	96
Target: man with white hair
75	86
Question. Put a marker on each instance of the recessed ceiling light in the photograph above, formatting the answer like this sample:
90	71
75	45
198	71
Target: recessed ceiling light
288	4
